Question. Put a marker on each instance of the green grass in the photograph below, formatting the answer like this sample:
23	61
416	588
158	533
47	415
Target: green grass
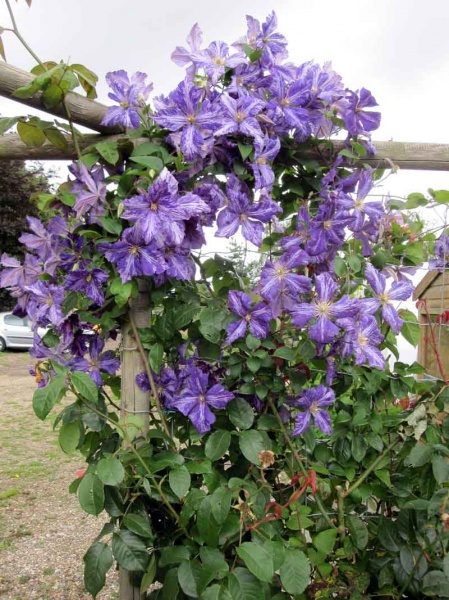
9	493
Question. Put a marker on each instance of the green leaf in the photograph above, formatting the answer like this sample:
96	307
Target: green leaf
56	138
410	328
414	200
108	151
138	523
91	494
240	413
85	386
413	560
85	73
156	357
179	480
52	96
286	353
184	316
340	267
252	443
30	135
440	469
6	123
252	342
441	196
150	162
358	447
325	540
355	263
253	364
295	571
258	560
173	555
110	471
212	323
69	437
217	444
245	150
207	524
214	559
129	551
358	531
111	225
45	398
220	504
188	575
244	586
388	535
149	576
420	455
384	476
97	562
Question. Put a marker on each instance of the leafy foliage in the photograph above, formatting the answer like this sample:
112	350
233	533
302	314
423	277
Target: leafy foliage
284	457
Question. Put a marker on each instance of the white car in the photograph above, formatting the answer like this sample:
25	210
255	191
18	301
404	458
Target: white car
15	332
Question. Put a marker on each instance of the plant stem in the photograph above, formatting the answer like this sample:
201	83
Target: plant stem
150	378
16	32
299	462
371	468
341	512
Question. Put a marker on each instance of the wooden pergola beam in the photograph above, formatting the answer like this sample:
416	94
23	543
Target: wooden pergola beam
405	155
82	110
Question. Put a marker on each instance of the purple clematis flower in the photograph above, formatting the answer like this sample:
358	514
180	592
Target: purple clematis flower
131	94
323	308
239	116
97	361
160	213
240	213
133	256
45	303
400	290
357	119
314	401
256	319
441	260
15	275
362	338
265	152
41	241
195	399
280	286
187	110
89	282
92	198
215	60
374	210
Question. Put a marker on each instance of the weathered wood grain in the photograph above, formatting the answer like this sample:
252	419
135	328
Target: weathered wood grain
82	110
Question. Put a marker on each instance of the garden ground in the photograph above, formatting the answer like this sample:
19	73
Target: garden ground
43	531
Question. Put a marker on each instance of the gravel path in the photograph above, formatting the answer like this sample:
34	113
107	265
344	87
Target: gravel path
43	531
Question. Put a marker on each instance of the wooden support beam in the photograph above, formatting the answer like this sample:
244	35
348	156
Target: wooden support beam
12	147
82	110
405	155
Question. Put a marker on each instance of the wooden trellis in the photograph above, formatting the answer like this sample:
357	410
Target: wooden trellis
89	113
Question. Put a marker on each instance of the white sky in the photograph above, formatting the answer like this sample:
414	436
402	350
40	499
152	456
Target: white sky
398	49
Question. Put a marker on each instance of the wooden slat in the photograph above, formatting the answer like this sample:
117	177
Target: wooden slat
12	147
82	110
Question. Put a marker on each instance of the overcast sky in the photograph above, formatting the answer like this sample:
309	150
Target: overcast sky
398	49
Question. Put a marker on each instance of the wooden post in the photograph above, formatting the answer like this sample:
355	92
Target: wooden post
133	399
